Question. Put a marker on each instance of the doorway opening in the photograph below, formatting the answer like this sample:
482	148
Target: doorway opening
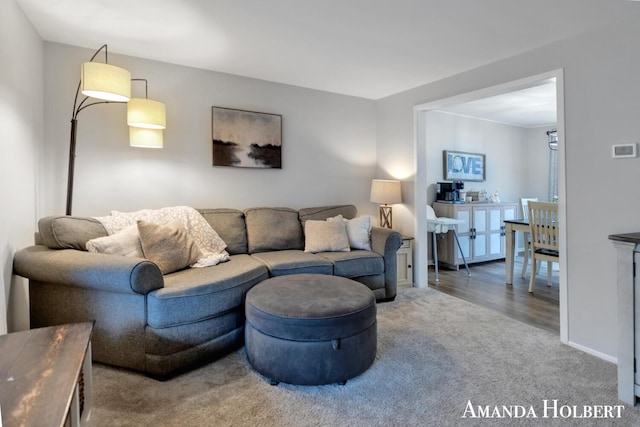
424	195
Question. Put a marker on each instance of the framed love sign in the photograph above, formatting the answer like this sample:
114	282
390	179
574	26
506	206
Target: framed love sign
461	166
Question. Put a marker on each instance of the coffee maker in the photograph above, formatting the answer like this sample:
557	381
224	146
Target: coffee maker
449	192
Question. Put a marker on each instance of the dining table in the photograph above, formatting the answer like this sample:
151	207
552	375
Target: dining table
511	226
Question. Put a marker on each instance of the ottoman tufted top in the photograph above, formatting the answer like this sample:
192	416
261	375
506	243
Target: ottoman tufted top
310	307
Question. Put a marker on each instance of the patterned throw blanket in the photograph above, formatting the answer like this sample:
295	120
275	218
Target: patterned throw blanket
209	242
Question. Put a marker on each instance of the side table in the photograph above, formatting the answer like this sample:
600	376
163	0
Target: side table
45	376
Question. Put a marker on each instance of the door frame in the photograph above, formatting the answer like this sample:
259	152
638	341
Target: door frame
420	189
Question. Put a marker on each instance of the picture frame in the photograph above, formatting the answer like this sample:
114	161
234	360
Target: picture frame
463	166
246	139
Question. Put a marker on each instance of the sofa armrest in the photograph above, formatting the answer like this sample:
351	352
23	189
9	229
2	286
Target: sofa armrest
88	270
386	242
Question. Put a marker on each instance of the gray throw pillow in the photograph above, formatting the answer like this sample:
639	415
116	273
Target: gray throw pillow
169	246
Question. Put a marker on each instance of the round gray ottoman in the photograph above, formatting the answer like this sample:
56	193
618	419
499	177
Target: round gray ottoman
310	329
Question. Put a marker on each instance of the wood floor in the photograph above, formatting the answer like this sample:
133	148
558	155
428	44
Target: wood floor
486	287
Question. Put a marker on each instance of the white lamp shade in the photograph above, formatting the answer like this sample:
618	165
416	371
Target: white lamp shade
145	138
104	81
385	191
146	113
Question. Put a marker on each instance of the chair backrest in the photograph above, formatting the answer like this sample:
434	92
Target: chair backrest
431	214
434	228
524	203
543	225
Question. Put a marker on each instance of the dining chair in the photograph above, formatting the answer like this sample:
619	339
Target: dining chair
524	202
543	229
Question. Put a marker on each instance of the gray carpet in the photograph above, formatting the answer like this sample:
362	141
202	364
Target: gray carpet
435	354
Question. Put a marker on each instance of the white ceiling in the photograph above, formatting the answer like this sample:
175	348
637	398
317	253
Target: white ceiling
532	107
365	48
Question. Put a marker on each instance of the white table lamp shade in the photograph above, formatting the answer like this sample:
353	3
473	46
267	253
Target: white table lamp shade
385	191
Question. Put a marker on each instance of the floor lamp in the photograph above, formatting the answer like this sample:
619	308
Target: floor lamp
111	84
100	81
385	192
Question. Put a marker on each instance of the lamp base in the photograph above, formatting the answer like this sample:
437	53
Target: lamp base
385	216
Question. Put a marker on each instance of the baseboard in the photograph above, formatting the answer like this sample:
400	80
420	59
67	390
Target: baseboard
593	352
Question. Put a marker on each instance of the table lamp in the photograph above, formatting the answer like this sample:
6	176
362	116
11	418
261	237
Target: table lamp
385	192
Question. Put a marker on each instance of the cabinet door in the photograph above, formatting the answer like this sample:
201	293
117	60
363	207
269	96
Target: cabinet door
509	212
404	260
464	234
494	239
480	228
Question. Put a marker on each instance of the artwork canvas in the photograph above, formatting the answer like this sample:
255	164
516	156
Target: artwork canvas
246	138
461	166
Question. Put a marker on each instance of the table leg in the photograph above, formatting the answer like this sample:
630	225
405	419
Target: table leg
511	247
88	385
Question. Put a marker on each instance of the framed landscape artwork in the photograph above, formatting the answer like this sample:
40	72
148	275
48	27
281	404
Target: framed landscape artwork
246	139
461	166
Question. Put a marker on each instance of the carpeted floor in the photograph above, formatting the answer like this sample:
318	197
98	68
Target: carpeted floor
436	356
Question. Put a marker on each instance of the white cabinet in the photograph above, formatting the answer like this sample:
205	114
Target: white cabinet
404	260
481	235
628	256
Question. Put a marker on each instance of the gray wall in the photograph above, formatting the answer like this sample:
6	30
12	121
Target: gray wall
602	106
329	143
517	159
21	130
504	146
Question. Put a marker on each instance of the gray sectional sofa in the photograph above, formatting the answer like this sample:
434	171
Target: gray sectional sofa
164	325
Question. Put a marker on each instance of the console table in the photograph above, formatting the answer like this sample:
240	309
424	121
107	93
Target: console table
628	254
45	376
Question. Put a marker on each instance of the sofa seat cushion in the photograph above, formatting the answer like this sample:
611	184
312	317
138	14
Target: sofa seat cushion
281	263
196	294
356	263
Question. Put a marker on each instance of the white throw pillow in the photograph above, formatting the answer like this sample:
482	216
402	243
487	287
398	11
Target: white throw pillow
124	243
325	236
358	231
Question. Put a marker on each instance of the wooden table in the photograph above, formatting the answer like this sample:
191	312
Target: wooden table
40	371
511	226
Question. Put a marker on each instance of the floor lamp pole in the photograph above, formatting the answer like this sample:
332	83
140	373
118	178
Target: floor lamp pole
72	161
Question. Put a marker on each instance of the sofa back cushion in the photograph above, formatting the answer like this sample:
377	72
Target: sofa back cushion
69	232
273	229
323	212
230	226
